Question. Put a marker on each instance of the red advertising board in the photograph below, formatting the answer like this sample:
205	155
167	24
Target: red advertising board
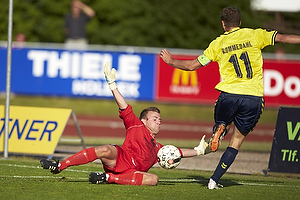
174	85
281	83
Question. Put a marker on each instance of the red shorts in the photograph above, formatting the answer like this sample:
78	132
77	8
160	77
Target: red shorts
124	164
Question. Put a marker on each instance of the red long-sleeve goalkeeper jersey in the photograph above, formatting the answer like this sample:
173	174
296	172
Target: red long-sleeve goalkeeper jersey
139	143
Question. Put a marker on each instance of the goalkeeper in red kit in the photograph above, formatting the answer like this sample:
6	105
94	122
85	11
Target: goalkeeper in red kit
128	164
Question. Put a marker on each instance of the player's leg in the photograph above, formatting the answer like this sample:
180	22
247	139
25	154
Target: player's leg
107	152
250	109
128	178
224	111
133	178
219	132
237	139
108	156
120	169
82	157
149	179
227	158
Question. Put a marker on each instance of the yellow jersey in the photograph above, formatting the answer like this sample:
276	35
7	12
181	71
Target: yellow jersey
239	56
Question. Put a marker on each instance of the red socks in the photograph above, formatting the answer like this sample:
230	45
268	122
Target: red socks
134	178
82	157
88	155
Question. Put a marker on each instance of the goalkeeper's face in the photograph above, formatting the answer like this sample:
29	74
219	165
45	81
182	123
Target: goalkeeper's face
153	122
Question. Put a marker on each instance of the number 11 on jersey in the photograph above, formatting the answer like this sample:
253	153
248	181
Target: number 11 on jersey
244	57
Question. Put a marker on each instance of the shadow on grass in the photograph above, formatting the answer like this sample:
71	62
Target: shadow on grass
195	179
66	179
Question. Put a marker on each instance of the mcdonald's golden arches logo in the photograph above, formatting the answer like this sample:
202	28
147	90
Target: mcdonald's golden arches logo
184	82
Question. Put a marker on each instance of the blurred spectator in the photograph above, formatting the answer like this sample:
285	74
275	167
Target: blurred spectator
20	40
75	24
20	37
280	54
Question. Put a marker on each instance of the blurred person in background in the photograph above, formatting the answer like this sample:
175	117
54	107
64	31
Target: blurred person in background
75	24
20	40
20	37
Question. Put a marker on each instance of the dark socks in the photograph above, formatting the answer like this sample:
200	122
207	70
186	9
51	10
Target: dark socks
226	160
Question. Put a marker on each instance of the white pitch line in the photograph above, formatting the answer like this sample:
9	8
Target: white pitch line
38	167
240	183
41	177
161	180
24	166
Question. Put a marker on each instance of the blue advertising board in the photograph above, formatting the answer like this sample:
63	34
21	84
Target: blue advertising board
62	72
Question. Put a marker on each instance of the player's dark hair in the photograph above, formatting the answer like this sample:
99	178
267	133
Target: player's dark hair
231	16
144	112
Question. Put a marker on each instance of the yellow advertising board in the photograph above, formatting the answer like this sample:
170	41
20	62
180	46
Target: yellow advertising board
33	130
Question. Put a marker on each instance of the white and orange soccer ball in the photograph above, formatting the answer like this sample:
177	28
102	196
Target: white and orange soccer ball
169	157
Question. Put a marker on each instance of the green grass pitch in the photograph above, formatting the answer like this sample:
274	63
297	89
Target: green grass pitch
23	178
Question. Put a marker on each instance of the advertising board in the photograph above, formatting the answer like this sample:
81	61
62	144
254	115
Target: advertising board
140	76
78	73
33	130
285	151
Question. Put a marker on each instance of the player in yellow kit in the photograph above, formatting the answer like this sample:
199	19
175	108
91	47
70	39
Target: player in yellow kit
238	53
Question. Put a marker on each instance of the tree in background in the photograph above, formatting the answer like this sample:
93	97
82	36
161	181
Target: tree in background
189	24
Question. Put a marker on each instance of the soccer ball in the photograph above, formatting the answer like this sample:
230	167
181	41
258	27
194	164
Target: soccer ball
168	157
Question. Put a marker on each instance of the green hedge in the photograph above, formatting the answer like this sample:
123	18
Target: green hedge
190	24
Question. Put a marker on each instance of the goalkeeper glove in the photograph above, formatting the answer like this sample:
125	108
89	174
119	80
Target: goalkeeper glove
110	75
201	147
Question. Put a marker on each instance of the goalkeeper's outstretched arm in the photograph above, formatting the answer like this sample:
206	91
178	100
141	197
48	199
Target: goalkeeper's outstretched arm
197	151
110	76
